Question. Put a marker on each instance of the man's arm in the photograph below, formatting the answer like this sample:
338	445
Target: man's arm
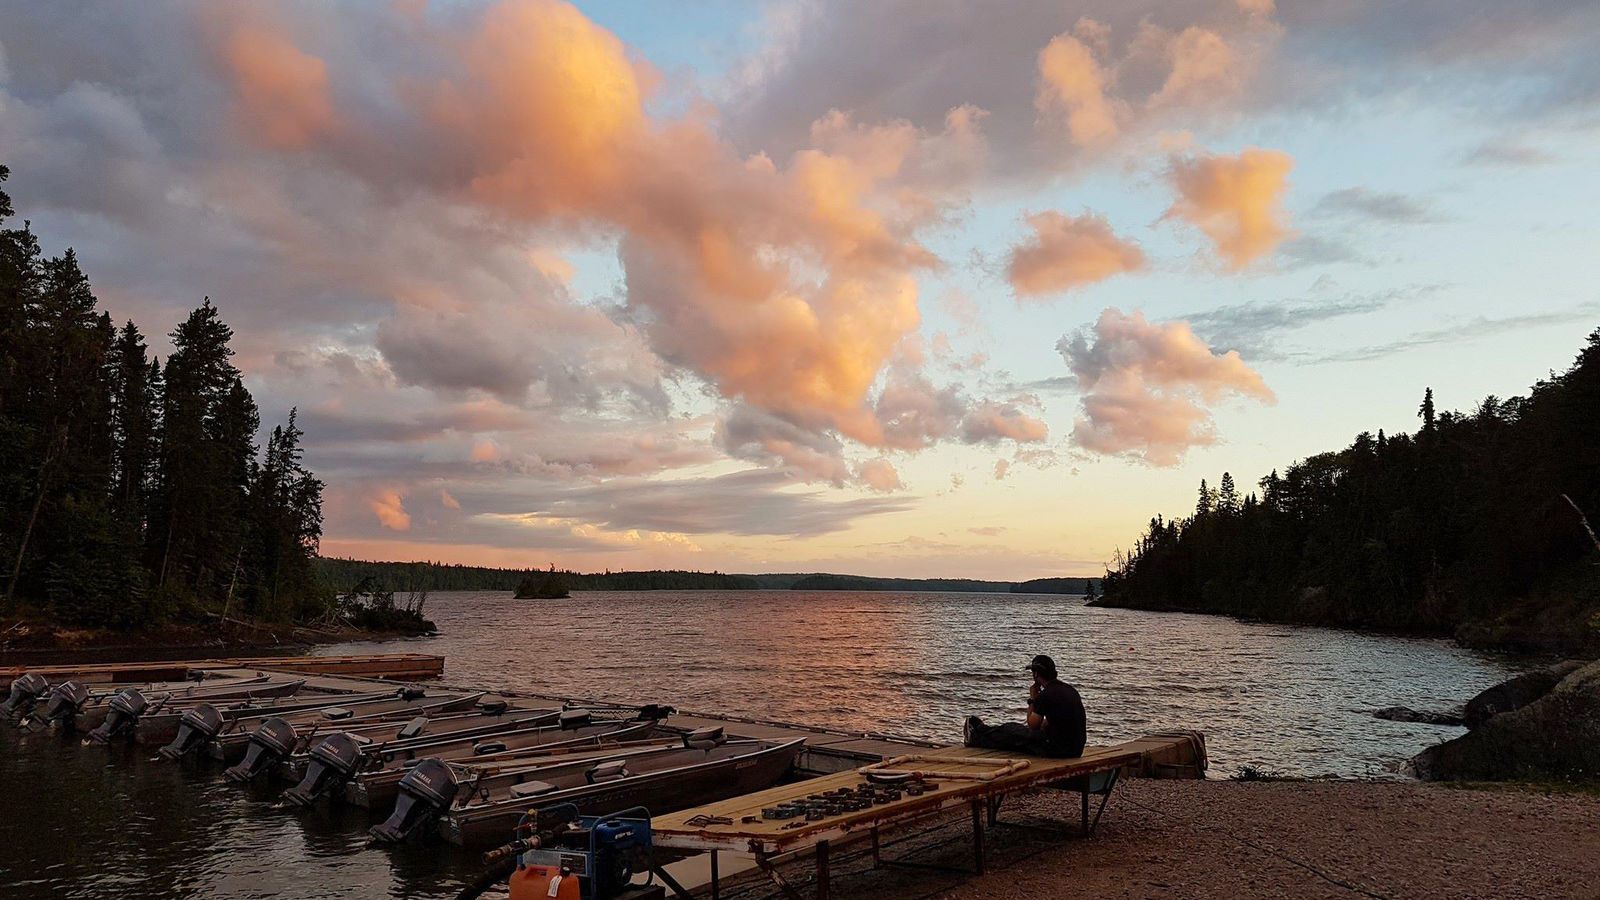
1035	721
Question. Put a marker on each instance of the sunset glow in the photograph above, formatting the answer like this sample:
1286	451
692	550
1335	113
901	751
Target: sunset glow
887	288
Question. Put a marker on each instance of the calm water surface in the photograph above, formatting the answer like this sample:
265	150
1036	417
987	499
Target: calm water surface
85	822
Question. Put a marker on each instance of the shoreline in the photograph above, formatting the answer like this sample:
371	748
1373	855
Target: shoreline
40	642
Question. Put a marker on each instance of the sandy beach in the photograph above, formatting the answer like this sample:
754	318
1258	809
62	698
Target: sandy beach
1235	841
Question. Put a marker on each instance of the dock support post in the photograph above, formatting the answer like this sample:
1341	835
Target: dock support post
822	870
977	836
877	850
716	887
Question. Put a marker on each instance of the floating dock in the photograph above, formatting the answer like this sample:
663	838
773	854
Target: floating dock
392	666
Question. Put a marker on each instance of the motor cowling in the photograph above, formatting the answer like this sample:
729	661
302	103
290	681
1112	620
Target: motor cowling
65	702
26	689
426	792
333	762
122	715
272	741
195	728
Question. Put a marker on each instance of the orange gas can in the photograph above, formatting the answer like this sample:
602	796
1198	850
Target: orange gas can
533	883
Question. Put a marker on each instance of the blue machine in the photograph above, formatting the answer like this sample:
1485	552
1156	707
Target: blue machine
607	851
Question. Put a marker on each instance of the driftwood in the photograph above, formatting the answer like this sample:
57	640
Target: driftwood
1583	520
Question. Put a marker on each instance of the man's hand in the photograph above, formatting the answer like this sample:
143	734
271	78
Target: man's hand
1033	691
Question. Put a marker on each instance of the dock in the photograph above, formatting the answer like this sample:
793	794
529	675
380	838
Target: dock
956	779
392	666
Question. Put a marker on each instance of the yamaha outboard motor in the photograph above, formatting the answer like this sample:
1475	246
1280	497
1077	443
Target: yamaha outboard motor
333	762
272	741
197	726
66	701
26	689
122	716
425	793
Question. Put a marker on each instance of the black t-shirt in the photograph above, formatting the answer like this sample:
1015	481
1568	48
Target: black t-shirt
1064	725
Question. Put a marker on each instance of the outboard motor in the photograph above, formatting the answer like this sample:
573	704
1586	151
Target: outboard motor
334	761
26	689
66	701
197	726
425	793
272	741
123	714
574	718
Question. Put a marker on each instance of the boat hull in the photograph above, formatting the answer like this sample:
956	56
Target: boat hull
379	789
659	792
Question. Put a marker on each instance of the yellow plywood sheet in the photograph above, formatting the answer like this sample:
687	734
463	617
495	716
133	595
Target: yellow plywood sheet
746	830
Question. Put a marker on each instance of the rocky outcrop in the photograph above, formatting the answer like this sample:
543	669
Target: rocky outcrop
1518	692
1407	714
1556	736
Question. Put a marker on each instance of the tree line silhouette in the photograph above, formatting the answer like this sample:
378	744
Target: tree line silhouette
132	489
1473	525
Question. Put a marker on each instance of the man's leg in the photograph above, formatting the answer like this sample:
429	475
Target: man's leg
1013	736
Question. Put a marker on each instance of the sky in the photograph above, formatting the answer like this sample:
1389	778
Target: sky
918	288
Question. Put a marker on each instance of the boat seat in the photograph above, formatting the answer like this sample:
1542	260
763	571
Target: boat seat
531	789
610	770
412	728
493	707
705	738
574	718
336	712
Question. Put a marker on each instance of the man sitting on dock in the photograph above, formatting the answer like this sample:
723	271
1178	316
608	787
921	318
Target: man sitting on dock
1055	726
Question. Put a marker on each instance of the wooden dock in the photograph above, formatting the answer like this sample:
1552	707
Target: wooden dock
962	779
391	666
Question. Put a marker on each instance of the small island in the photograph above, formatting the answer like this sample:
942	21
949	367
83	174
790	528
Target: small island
542	586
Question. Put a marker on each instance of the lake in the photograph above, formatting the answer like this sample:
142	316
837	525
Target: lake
87	823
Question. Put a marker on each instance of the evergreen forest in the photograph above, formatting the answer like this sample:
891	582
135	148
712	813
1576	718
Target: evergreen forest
1477	525
134	490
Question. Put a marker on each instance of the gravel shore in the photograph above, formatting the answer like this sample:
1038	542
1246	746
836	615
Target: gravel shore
1313	840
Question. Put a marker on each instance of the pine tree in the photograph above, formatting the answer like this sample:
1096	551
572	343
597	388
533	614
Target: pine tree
1207	502
1228	496
1425	412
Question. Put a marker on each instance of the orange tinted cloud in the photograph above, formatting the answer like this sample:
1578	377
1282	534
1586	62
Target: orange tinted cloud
448	501
1071	81
879	475
1236	200
1203	66
280	92
1147	387
390	511
1068	252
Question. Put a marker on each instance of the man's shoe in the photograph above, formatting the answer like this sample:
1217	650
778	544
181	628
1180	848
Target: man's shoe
969	731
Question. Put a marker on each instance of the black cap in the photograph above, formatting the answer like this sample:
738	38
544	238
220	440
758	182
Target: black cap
1043	665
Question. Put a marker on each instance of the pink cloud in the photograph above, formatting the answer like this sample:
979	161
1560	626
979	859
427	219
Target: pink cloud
1147	387
1237	201
1067	252
391	512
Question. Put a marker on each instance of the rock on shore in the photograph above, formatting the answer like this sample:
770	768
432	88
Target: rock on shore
1556	735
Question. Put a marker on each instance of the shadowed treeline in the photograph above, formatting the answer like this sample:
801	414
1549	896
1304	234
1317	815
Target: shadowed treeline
1473	525
132	491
